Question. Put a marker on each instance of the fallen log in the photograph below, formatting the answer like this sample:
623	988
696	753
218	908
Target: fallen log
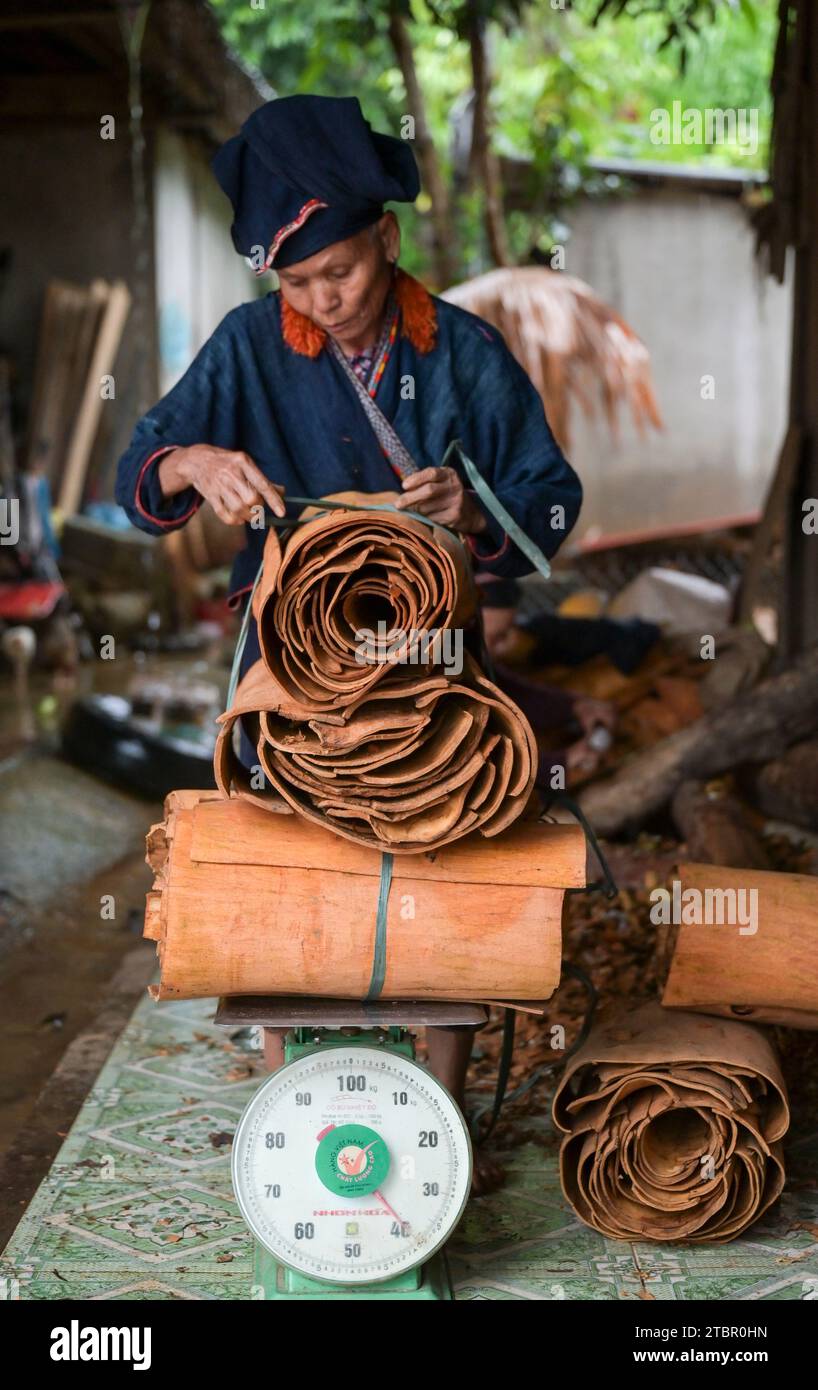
248	903
717	827
745	945
756	726
787	788
673	1126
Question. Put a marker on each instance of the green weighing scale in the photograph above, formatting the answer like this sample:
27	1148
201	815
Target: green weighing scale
351	1164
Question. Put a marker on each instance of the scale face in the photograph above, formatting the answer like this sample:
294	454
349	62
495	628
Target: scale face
352	1164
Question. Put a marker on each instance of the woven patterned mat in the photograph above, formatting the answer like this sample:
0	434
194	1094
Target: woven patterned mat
138	1203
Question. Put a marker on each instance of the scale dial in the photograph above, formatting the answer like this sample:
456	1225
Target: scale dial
352	1164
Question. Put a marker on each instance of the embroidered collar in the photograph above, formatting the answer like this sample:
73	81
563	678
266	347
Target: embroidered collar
418	320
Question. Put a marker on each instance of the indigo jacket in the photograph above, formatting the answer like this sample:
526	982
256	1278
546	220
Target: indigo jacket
266	383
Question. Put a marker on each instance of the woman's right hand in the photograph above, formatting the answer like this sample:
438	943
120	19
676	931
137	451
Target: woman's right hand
228	479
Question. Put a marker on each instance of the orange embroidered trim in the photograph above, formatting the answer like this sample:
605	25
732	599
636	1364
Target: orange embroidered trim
300	333
417	313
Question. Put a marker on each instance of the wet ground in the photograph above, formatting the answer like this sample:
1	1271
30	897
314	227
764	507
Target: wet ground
72	886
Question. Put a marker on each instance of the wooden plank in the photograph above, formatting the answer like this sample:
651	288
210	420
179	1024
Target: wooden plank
101	364
55	95
47	19
47	319
55	408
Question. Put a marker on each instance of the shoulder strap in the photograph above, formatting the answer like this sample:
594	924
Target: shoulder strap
403	463
391	443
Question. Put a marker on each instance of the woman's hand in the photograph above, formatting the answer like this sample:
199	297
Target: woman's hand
597	719
438	494
593	714
230	481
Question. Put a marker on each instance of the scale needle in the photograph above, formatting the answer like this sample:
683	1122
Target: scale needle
377	1193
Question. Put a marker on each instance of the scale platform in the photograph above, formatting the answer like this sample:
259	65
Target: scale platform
298	1011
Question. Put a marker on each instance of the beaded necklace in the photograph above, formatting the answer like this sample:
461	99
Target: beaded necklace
370	367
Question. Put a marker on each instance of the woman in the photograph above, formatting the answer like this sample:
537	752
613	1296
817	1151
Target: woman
279	401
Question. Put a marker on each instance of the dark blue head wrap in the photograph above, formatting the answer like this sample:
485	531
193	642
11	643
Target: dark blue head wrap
305	172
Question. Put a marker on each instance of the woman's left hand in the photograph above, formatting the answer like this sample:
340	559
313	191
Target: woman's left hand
438	493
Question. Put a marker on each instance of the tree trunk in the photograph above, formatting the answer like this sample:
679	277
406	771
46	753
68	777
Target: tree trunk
754	727
433	181
799	612
717	828
484	162
787	787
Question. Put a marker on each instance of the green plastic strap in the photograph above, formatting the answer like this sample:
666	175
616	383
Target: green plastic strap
379	952
515	533
242	640
325	506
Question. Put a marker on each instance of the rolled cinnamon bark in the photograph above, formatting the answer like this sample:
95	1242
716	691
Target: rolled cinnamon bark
384	745
247	903
347	573
418	764
673	1125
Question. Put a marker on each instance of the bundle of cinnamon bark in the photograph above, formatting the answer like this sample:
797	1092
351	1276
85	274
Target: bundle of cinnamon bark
358	720
673	1125
244	902
755	955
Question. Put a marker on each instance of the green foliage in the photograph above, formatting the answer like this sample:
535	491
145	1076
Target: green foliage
681	20
569	84
626	67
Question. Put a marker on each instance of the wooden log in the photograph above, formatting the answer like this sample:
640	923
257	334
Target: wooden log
764	970
673	1126
756	726
716	826
249	903
787	787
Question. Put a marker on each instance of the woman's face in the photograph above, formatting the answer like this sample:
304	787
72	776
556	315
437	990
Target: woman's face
343	288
